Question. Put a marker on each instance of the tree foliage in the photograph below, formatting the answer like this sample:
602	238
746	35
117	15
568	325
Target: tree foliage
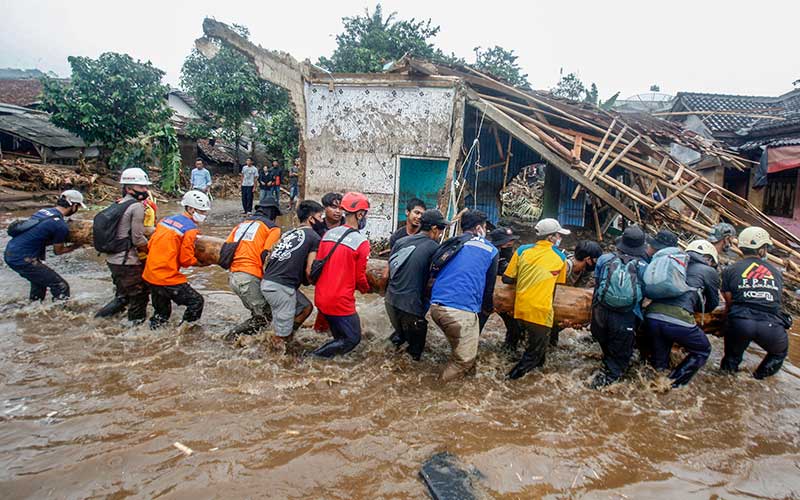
501	63
108	100
571	87
159	146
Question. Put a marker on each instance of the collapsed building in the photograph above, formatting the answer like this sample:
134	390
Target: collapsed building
455	137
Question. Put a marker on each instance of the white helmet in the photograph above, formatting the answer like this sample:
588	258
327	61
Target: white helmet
74	197
754	238
135	176
196	199
703	247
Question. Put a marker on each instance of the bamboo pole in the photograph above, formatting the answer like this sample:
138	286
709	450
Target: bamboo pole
596	154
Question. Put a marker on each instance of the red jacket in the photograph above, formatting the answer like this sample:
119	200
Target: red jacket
344	273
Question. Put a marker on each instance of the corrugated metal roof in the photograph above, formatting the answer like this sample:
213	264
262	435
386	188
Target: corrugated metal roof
38	129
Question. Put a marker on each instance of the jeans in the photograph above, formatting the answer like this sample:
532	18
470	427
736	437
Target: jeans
411	328
769	335
183	295
41	278
276	193
663	335
346	331
294	191
614	331
131	292
264	192
247	198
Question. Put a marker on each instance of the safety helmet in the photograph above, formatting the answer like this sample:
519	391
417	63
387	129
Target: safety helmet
135	176
720	231
703	247
74	197
754	238
353	202
196	199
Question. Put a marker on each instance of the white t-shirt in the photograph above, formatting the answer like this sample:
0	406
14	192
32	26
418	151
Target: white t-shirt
249	175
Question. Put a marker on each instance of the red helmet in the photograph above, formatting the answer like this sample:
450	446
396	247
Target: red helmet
353	202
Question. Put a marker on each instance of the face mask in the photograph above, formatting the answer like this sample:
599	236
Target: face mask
507	253
198	217
140	195
557	243
318	225
362	223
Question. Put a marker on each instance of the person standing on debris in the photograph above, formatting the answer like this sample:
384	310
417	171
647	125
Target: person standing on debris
616	304
406	292
127	216
201	177
249	175
503	239
288	267
170	248
670	318
414	209
274	180
333	213
25	252
294	182
535	270
463	287
253	239
343	253
723	237
752	289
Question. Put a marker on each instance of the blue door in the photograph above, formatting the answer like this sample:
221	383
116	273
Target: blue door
420	178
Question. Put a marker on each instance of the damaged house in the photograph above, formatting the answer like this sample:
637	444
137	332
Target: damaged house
455	137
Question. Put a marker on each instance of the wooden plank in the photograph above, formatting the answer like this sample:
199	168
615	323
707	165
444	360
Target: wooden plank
675	193
508	160
529	139
659	171
596	218
457	136
590	175
620	156
596	154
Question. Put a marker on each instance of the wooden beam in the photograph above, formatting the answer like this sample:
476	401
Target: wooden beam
675	193
457	136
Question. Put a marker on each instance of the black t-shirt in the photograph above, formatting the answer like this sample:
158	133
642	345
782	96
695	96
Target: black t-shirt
399	233
409	270
756	287
287	261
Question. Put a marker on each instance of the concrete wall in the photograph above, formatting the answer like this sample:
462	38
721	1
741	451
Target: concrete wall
355	134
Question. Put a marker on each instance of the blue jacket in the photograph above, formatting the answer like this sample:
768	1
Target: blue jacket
467	280
31	244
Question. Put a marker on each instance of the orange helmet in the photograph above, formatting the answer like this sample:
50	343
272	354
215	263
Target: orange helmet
353	202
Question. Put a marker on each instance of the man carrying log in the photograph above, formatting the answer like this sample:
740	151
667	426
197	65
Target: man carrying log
616	304
121	227
29	239
670	316
170	248
253	240
723	237
414	210
752	289
536	269
503	239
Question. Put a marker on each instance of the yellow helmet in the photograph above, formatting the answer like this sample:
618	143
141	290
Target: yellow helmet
703	247
754	238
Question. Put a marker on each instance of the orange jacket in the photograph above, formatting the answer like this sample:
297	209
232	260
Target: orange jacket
257	236
170	248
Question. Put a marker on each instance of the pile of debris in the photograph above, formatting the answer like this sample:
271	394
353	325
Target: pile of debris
522	197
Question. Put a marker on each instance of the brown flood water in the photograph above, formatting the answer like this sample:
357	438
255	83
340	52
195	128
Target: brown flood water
91	408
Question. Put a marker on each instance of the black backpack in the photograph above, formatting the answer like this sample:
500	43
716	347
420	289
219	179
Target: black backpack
447	251
104	229
18	227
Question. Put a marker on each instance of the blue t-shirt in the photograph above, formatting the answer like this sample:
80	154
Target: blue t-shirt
461	283
31	244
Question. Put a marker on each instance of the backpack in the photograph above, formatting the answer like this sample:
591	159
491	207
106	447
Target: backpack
619	288
20	226
104	229
446	252
665	275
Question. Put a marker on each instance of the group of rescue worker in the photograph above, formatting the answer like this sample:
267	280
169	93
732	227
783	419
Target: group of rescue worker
637	301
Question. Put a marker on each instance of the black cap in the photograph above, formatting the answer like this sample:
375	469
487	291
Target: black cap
472	218
268	201
502	235
431	218
632	242
663	239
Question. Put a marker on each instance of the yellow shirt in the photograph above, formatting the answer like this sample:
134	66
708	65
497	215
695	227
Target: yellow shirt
537	268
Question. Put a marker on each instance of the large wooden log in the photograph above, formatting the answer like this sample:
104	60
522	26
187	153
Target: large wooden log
571	305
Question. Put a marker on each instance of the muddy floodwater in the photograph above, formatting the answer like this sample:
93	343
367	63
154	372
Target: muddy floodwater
91	408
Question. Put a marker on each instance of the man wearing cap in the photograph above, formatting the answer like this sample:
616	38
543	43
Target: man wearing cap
503	238
580	274
536	269
723	237
463	288
26	250
256	236
663	239
614	327
671	320
409	270
130	289
752	289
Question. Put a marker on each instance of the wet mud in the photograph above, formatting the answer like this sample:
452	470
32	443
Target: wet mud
91	408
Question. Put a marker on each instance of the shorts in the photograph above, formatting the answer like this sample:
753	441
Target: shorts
286	303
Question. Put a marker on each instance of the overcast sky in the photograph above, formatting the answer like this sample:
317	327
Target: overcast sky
734	47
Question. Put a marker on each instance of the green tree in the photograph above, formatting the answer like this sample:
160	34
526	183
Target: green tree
228	90
108	100
370	41
592	95
501	63
570	87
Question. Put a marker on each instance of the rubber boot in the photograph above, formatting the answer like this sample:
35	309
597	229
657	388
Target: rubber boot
249	327
601	379
116	306
333	348
526	364
397	339
684	372
729	365
769	366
